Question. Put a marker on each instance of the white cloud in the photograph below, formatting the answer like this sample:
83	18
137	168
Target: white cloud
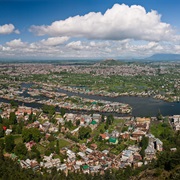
8	29
16	43
118	23
54	41
76	45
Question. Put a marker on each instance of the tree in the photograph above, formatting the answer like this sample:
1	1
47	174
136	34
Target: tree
102	118
1	131
60	126
31	134
110	119
13	103
2	145
159	116
36	152
1	120
143	144
31	118
63	111
68	124
84	132
57	146
9	143
51	138
12	118
78	122
20	149
48	109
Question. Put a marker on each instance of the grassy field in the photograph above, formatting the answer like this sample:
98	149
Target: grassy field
158	128
18	139
63	143
164	132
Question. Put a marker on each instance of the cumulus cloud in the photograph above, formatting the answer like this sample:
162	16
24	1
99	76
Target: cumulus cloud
118	23
8	29
54	41
16	43
86	49
77	45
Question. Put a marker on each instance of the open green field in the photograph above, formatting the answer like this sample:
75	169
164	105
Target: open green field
63	143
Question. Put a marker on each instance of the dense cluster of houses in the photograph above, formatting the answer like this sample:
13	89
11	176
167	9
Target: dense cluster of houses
88	158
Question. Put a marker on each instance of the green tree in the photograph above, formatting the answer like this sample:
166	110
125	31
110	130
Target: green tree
1	131
48	109
78	122
2	145
1	120
159	116
9	143
20	149
143	144
12	118
84	132
13	103
51	138
102	118
57	146
37	152
68	124
31	134
62	111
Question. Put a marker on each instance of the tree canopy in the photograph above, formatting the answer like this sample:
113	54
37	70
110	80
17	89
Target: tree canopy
31	134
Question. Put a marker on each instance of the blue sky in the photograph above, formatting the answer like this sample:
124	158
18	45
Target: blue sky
43	29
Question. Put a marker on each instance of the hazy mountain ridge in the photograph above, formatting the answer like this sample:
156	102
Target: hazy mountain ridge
165	57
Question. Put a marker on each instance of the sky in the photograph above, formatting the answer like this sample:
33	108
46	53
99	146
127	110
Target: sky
88	29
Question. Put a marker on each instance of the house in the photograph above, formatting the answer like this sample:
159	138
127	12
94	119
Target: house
138	134
159	145
87	119
93	124
156	143
85	169
30	144
8	131
96	117
76	168
45	126
81	154
70	153
113	140
127	156
89	151
115	134
177	127
150	153
105	152
104	136
60	121
94	146
70	117
23	110
62	167
137	156
143	120
125	135
75	131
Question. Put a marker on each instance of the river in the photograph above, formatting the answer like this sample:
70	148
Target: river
141	106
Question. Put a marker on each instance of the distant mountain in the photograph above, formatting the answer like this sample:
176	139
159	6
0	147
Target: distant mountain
110	62
165	57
